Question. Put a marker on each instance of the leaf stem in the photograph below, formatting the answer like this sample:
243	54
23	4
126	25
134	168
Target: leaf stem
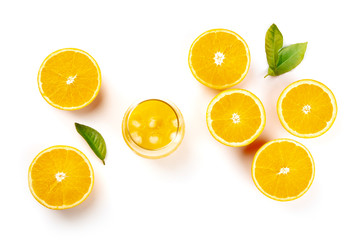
94	139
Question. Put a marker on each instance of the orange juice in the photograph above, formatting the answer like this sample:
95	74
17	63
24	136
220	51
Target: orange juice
153	128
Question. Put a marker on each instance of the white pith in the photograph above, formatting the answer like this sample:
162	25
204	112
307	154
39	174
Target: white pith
284	170
306	109
235	118
219	58
70	80
60	176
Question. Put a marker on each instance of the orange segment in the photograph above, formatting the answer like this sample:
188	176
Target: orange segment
60	177
235	117
69	79
283	169
219	58
307	108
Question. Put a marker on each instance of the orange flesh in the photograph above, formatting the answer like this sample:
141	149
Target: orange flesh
316	119
235	58
71	188
63	67
270	170
153	124
223	122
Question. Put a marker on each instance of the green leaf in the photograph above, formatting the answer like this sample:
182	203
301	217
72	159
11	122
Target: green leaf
94	139
289	57
273	43
281	59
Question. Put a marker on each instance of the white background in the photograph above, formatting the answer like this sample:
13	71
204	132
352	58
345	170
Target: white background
204	190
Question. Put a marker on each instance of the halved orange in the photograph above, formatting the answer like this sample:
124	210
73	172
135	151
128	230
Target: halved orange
235	117
60	177
219	58
69	79
283	169
307	108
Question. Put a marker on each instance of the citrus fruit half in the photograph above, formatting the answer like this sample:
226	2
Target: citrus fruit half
69	79
235	117
60	177
219	58
283	169
307	108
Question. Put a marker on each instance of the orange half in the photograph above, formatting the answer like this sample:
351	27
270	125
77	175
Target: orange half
283	169
60	177
69	79
307	108
219	58
235	117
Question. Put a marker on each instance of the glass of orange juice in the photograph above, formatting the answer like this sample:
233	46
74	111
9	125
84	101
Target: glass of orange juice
153	128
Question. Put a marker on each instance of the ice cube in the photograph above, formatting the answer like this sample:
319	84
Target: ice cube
152	123
154	139
175	123
136	137
136	123
172	135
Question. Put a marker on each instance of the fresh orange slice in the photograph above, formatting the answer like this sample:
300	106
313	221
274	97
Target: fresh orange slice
283	169
69	79
235	117
60	177
307	108
219	58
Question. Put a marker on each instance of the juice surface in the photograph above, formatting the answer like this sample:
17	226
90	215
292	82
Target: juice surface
153	124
